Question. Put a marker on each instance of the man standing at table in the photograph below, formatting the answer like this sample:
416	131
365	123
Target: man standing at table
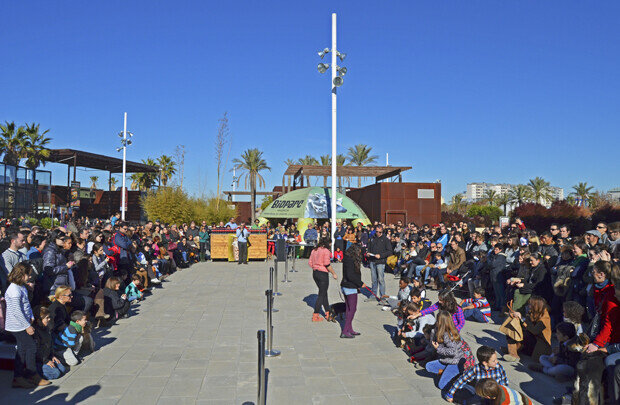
311	236
242	241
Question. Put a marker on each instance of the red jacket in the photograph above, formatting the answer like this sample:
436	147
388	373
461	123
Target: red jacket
610	316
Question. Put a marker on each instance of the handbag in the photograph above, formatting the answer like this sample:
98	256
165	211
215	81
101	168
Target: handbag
512	327
595	325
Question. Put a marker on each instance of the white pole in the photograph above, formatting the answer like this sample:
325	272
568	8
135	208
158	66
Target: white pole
124	167
387	159
234	182
334	152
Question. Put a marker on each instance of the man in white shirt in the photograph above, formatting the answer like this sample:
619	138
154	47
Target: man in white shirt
242	240
11	257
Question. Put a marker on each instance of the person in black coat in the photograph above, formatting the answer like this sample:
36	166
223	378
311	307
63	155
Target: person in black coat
379	249
115	304
59	316
351	283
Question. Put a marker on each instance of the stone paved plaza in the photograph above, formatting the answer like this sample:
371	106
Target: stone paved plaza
194	341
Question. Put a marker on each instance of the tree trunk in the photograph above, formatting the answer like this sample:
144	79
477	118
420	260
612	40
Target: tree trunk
324	181
359	182
253	196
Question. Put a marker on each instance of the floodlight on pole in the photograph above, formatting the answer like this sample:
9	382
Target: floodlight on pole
124	143
323	52
341	55
342	70
322	67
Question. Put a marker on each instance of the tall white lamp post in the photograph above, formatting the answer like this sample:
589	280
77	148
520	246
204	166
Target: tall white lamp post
124	143
337	74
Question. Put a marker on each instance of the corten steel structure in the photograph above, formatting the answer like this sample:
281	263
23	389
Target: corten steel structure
74	158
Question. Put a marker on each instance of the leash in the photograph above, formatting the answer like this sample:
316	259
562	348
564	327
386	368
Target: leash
372	293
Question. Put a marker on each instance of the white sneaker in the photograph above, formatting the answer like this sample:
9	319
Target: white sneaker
155	281
386	308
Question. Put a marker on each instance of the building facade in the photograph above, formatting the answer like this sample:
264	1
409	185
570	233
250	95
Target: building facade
476	191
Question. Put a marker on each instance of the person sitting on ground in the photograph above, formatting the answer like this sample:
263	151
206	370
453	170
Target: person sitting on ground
415	283
573	313
59	315
437	270
48	365
536	332
500	395
403	295
116	305
425	351
477	308
416	326
417	296
447	302
338	255
560	365
132	291
487	367
450	349
67	345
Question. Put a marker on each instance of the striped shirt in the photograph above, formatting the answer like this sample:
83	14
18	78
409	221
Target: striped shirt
478	373
508	396
482	304
18	310
457	317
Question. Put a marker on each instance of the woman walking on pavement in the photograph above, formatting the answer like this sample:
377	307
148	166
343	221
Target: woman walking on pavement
351	283
320	262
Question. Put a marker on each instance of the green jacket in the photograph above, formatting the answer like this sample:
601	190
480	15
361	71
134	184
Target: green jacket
204	236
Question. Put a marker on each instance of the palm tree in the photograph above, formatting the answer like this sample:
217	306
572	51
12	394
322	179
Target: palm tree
135	181
457	203
252	163
503	200
12	142
309	161
35	149
167	168
113	182
520	194
93	182
490	196
359	155
145	181
541	190
583	192
289	162
326	160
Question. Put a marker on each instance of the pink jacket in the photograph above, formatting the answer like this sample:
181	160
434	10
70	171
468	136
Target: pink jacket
320	258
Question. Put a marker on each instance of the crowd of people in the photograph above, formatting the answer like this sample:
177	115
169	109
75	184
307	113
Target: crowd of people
554	295
58	285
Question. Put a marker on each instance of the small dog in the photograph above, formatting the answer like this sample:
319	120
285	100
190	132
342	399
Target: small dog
336	310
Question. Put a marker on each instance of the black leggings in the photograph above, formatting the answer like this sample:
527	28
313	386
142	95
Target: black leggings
25	365
321	279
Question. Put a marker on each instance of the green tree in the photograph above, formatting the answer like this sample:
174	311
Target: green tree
251	164
167	168
503	200
145	181
458	203
489	212
308	160
490	196
359	155
583	192
93	182
540	190
326	160
114	180
35	149
135	181
268	199
520	194
173	205
12	142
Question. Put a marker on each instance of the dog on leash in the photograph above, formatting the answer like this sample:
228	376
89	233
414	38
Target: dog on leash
588	384
336	310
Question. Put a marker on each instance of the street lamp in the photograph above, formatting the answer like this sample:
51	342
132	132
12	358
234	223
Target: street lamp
337	80
124	144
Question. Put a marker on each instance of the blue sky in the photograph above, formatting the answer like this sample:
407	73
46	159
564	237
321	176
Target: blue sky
462	91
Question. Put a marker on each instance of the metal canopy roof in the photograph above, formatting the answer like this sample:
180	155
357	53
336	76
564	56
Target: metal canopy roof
90	160
378	172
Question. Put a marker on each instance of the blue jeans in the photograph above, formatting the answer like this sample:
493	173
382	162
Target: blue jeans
377	273
51	373
474	314
449	372
418	273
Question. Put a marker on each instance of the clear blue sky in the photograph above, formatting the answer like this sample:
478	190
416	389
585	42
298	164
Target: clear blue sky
462	91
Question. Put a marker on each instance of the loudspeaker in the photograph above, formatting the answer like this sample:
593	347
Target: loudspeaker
280	250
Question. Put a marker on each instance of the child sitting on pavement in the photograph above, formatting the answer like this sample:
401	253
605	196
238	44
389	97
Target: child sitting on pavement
425	351
415	327
48	365
132	291
487	367
418	296
488	388
477	308
560	365
68	344
415	283
403	295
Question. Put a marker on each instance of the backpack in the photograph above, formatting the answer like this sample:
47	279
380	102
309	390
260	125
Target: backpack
470	360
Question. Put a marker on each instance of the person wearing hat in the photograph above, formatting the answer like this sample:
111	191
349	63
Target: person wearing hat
602	228
592	237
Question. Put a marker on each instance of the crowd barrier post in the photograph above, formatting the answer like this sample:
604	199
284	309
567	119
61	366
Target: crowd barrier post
260	396
275	279
270	352
294	260
286	280
271	281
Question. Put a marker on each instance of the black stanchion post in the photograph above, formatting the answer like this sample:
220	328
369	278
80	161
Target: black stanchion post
261	397
270	352
275	279
286	280
271	280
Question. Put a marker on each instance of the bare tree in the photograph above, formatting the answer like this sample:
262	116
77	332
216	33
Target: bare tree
221	139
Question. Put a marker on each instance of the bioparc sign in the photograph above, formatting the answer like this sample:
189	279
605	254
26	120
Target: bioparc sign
288	204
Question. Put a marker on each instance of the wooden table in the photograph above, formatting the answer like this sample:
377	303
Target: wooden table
222	245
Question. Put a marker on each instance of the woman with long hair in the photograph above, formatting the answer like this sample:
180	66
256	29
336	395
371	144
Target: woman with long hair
351	283
446	340
445	302
320	262
536	331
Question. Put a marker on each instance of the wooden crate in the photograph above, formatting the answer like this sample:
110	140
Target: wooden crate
221	246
